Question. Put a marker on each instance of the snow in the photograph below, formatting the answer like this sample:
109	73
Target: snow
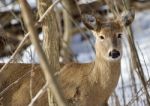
15	7
85	1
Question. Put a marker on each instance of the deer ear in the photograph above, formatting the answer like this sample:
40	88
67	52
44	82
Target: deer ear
89	21
127	17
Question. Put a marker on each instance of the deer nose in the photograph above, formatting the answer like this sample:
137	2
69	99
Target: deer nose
114	53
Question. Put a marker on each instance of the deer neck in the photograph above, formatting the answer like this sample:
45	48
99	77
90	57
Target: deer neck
104	69
103	64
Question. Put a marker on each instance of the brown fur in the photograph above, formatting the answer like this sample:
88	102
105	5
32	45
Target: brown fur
19	93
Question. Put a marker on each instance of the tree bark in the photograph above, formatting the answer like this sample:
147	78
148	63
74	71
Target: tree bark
51	33
50	42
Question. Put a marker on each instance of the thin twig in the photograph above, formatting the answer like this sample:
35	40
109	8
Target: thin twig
15	53
47	11
40	93
31	81
14	83
136	96
123	90
143	59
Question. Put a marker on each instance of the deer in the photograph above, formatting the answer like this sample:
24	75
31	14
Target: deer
91	84
82	84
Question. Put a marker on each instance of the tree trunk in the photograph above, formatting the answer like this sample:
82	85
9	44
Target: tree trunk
50	43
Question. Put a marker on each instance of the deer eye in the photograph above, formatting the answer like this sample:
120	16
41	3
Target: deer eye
101	37
119	35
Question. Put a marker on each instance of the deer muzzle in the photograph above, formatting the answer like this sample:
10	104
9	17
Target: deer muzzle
114	54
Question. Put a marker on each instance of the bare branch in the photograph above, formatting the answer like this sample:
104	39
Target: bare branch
47	11
40	93
16	51
14	83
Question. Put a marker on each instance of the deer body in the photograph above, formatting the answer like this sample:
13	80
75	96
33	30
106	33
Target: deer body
90	84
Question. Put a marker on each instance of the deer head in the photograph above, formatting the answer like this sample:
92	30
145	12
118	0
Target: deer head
108	34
